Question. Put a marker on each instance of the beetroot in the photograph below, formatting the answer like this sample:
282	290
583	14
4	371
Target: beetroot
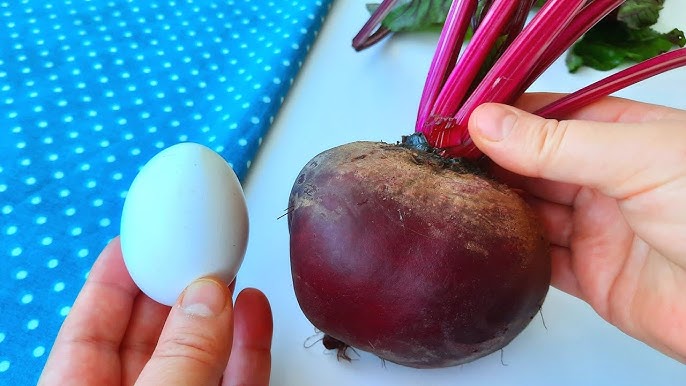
428	264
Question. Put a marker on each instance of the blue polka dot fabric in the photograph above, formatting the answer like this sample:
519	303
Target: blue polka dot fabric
92	89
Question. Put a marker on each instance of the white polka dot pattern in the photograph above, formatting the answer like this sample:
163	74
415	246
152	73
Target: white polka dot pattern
92	89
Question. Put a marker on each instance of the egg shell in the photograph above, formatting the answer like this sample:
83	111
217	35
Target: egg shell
184	217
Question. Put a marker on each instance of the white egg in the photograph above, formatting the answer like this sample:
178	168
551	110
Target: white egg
184	217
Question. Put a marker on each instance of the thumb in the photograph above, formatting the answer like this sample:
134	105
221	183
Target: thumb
619	159
195	343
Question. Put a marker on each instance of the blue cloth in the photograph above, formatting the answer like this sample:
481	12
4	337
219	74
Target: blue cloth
92	89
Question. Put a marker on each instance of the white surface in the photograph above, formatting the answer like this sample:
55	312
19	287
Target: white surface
195	185
343	96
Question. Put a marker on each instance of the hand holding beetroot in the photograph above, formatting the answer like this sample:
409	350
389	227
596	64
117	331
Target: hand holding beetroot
406	252
610	189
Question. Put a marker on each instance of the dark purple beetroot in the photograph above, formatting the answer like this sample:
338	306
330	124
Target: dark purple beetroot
416	259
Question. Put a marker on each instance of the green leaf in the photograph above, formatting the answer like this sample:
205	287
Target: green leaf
638	14
574	62
371	7
677	37
612	43
415	15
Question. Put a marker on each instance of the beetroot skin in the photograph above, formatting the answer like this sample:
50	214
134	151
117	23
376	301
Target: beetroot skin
412	257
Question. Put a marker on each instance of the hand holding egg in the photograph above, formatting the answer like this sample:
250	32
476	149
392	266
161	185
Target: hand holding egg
184	217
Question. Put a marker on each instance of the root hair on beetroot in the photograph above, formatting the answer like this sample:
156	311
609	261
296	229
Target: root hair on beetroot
312	340
286	212
502	357
540	312
331	343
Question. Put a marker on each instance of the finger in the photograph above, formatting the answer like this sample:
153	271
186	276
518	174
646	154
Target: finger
608	109
144	330
147	320
553	191
617	159
195	342
562	272
250	362
535	100
556	219
86	351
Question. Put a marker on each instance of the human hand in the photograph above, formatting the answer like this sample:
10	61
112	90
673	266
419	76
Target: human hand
116	335
609	186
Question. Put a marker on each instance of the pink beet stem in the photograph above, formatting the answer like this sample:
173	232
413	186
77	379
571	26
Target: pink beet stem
516	64
367	34
453	92
449	45
591	14
627	77
444	112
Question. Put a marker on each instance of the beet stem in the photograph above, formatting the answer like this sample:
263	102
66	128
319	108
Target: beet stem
521	57
367	36
627	77
456	87
503	81
449	46
374	38
589	16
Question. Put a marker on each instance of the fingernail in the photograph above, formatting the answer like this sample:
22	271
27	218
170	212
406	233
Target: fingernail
494	122
204	297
